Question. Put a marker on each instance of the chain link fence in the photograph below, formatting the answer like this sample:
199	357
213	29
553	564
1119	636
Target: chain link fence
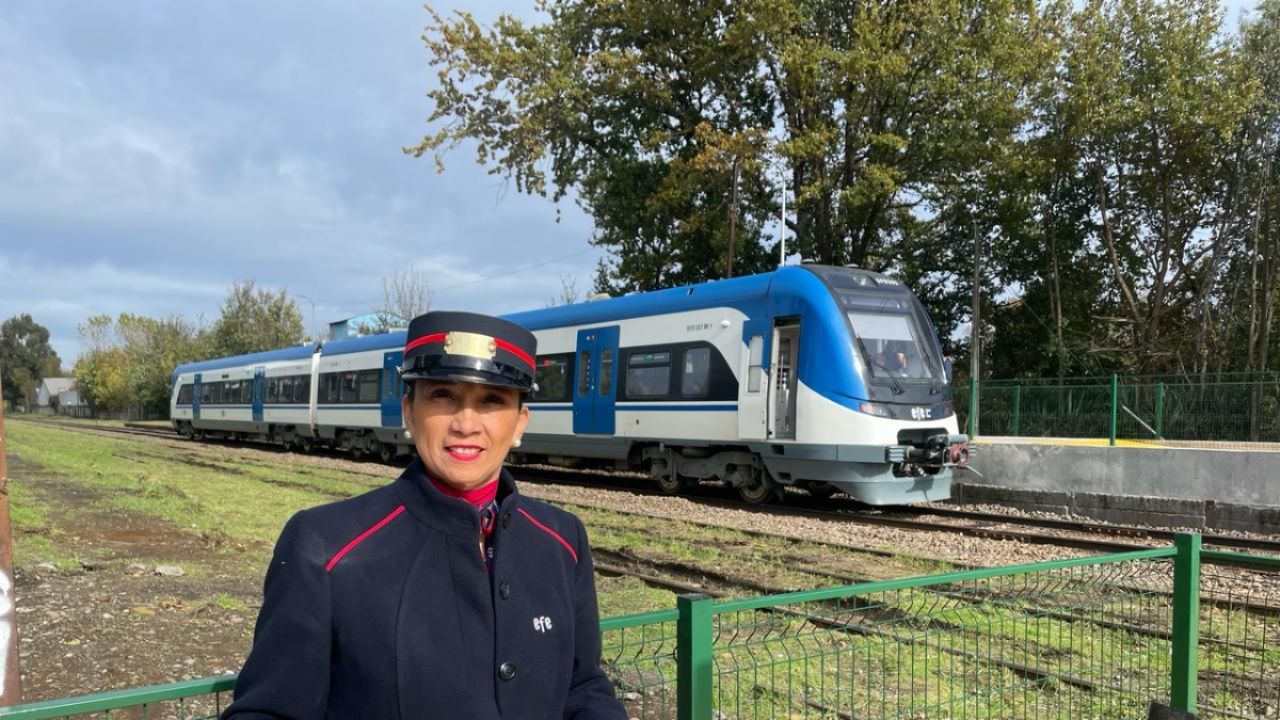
1212	411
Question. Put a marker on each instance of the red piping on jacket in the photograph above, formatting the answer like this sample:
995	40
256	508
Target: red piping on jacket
361	537
552	533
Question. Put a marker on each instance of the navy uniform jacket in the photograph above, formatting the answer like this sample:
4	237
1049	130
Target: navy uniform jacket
381	607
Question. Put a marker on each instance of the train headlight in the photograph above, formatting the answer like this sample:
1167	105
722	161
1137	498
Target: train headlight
874	409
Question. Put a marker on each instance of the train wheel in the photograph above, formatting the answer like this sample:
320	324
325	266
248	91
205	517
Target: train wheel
386	452
671	483
757	494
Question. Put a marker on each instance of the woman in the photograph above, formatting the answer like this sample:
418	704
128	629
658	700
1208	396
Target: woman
446	594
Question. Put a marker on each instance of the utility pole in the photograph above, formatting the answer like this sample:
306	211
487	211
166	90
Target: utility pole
10	678
733	217
782	225
975	330
312	336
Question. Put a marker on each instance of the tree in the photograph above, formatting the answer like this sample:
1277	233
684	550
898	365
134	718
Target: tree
26	358
129	362
666	116
568	291
1153	94
255	319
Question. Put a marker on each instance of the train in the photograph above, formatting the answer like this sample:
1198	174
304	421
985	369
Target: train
822	378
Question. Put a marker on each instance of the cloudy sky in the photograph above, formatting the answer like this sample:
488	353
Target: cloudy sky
153	153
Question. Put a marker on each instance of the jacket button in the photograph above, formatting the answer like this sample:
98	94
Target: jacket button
504	590
506	519
507	671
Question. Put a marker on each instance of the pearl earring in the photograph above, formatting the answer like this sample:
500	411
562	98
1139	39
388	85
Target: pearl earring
516	443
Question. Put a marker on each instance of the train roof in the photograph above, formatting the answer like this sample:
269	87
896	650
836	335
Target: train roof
381	341
297	352
715	293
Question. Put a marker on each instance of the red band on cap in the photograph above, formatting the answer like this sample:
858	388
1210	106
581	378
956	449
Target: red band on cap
435	337
440	337
515	351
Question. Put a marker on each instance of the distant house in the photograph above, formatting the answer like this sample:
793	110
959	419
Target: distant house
51	390
367	324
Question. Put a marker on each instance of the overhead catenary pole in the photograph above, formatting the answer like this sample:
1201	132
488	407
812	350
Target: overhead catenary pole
782	226
733	218
975	332
10	678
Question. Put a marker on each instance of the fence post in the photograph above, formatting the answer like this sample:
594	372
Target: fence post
1186	621
1160	411
1017	410
1115	406
10	673
973	408
694	640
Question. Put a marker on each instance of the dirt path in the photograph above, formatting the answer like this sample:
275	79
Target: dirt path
115	623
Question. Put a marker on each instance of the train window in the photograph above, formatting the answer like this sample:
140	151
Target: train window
606	372
755	369
553	379
184	395
369	380
231	393
329	390
648	375
584	373
350	388
302	389
215	393
697	366
206	393
246	391
273	391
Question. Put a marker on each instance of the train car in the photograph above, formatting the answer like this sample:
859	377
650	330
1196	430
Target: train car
228	396
357	405
343	394
823	378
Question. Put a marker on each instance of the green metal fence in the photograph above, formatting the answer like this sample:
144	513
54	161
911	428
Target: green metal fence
1096	637
1210	411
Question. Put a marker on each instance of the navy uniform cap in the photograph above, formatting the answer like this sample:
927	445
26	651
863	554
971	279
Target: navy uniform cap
469	347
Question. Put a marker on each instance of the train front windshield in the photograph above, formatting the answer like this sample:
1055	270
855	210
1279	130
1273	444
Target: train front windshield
889	342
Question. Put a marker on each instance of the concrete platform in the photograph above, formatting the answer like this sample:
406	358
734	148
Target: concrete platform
1171	487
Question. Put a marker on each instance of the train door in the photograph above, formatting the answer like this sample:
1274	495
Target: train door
753	394
392	389
596	386
259	391
783	386
195	398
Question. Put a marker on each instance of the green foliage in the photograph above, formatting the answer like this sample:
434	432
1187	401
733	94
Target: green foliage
1115	157
128	362
253	320
26	358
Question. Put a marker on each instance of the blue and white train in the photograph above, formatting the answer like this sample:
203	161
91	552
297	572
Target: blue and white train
824	378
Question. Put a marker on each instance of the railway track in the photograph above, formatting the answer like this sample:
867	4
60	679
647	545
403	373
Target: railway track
1084	535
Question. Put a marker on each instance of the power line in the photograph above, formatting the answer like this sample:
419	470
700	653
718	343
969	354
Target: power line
436	291
513	272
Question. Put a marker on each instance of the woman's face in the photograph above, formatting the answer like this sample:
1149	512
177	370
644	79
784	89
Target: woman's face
463	430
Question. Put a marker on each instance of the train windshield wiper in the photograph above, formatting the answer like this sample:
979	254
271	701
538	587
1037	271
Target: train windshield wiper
897	386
